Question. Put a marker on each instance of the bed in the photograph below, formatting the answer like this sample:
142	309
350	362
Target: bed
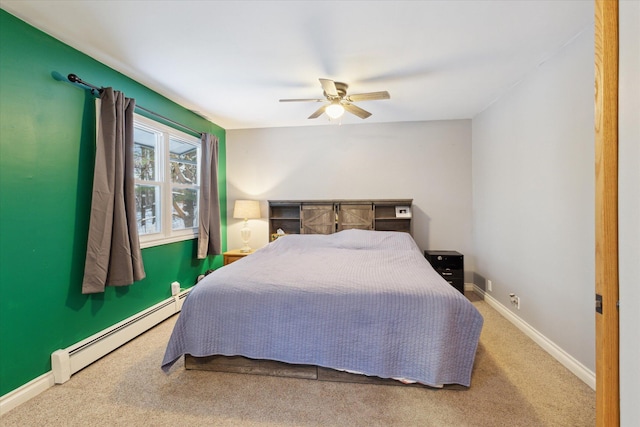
358	301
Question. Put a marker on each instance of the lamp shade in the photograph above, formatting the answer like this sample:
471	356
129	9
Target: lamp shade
246	209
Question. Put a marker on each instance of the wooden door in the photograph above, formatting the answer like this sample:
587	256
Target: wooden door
355	216
317	219
606	144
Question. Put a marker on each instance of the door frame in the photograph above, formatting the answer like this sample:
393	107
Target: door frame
606	218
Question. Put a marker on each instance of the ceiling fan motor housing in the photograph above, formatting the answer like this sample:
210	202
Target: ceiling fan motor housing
341	88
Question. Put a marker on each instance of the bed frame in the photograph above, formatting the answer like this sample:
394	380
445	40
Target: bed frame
244	365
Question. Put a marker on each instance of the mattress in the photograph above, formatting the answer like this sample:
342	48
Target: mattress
360	301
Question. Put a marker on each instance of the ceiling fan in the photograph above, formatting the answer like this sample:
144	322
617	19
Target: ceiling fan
338	100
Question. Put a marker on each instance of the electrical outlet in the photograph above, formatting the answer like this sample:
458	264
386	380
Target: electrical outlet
175	288
515	300
489	286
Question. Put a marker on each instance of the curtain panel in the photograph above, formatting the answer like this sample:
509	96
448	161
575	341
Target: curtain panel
209	236
113	248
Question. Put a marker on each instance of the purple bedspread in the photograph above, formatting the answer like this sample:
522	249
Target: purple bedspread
364	301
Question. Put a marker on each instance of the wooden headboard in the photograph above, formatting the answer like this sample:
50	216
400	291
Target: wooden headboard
330	216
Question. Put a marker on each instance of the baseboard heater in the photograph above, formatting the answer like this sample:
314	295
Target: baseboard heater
68	361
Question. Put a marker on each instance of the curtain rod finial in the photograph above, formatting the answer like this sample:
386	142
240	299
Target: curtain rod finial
57	76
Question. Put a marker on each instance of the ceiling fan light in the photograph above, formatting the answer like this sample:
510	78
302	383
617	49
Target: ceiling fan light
335	110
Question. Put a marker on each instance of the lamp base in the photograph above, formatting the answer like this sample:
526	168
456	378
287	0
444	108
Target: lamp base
245	233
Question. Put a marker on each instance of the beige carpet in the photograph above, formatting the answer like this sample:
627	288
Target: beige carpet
514	383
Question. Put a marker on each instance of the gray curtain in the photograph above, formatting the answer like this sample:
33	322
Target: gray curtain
209	240
113	247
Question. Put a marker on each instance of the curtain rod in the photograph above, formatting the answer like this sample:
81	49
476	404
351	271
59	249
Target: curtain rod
75	79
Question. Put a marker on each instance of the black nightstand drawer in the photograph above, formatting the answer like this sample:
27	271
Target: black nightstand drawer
450	265
445	259
448	273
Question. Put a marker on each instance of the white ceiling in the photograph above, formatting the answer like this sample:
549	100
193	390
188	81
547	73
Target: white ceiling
233	60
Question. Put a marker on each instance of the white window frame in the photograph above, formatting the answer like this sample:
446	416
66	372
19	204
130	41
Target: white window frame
166	233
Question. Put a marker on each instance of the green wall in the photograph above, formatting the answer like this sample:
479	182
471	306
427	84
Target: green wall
47	140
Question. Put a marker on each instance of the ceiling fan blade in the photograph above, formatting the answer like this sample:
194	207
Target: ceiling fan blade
303	100
363	114
329	87
371	96
318	112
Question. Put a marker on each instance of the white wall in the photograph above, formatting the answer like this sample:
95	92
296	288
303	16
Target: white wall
429	162
533	198
629	211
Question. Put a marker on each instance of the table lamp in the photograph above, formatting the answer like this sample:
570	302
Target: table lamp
246	209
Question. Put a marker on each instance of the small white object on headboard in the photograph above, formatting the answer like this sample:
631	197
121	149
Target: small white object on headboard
403	211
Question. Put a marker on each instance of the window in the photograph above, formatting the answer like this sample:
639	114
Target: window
167	186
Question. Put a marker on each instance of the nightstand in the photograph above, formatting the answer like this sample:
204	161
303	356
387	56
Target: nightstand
234	255
450	265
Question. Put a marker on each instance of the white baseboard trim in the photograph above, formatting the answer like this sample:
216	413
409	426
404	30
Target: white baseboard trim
568	361
43	382
26	392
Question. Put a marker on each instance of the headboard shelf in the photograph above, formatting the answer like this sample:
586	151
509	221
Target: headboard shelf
329	216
